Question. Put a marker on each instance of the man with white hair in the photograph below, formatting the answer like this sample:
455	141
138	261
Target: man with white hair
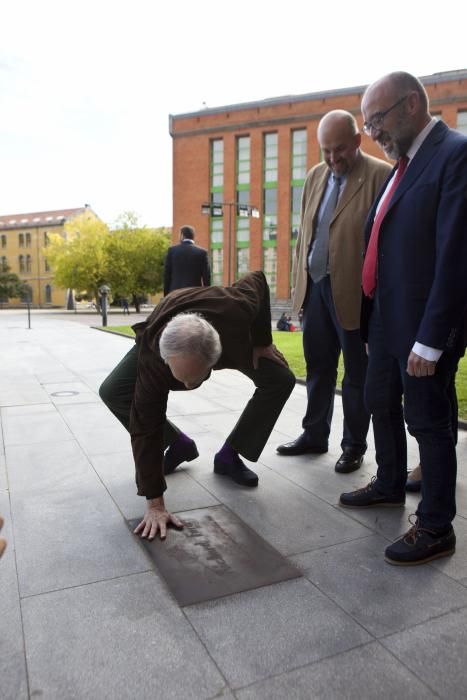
191	332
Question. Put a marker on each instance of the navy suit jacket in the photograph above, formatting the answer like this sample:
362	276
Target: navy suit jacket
422	250
186	265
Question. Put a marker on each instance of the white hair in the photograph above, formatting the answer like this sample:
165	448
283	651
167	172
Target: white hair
187	334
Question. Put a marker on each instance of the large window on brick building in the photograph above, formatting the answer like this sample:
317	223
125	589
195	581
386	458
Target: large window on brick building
48	294
28	263
3	240
4	264
28	240
298	175
462	122
21	264
21	240
216	222
270	178
270	268
243	261
217	265
242	220
270	181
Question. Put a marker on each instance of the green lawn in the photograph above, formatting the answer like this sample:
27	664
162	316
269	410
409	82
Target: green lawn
291	345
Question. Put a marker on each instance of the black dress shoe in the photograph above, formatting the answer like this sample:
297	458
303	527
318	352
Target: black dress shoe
349	461
237	470
182	450
301	446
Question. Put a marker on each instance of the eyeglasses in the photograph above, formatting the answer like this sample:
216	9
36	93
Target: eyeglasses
376	122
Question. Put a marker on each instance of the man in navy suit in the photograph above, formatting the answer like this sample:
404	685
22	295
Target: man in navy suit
415	295
186	264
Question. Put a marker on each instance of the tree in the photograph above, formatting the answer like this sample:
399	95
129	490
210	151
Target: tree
11	287
79	259
135	261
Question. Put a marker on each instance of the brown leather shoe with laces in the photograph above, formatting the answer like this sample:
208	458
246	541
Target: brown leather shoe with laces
369	496
420	545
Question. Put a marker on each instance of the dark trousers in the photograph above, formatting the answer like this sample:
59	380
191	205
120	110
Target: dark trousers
273	382
428	410
323	340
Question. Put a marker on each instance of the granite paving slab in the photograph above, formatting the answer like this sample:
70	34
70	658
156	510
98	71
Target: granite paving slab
383	598
33	425
268	631
123	638
366	672
117	474
288	517
68	531
13	680
436	652
215	555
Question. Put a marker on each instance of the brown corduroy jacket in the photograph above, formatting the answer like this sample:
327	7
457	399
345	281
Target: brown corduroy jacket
241	314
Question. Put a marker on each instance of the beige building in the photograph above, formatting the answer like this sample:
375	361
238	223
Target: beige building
23	249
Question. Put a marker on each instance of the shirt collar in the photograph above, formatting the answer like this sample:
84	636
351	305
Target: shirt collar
419	139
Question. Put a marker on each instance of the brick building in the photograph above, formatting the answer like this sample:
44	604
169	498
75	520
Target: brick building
254	156
23	249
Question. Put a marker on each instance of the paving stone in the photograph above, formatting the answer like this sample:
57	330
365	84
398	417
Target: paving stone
117	473
268	509
383	598
123	638
436	652
256	634
67	529
456	566
33	425
13	681
3	474
366	672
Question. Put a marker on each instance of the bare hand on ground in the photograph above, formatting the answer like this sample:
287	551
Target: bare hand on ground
156	519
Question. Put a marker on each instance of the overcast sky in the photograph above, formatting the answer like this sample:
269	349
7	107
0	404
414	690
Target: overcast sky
86	87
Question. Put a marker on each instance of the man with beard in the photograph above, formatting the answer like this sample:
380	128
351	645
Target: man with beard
415	292
337	196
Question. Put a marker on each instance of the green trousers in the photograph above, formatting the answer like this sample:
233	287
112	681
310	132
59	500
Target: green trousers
273	382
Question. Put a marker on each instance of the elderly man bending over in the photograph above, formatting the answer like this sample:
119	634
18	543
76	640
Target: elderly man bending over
191	332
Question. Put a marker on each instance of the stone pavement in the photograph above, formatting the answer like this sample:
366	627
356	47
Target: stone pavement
83	613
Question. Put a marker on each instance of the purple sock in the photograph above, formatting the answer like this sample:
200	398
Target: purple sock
181	438
227	454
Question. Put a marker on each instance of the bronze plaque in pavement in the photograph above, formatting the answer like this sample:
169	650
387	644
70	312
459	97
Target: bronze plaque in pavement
216	554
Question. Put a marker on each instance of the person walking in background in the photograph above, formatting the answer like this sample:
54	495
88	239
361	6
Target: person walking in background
125	307
415	293
337	196
186	264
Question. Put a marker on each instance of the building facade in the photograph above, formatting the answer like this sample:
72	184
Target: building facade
23	250
247	158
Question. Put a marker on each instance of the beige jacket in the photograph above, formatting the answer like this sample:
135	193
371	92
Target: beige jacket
346	242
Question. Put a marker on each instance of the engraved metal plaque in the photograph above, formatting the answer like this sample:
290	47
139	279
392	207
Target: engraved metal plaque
216	554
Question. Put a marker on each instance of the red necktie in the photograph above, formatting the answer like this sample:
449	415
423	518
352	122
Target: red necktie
371	256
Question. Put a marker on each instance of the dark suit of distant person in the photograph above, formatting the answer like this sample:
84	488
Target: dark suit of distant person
186	264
